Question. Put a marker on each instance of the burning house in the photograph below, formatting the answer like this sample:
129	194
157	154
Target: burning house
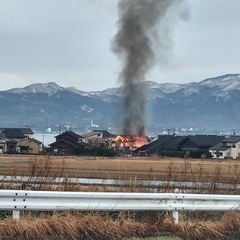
128	144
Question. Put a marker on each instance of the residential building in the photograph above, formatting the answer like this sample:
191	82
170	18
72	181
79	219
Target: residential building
66	143
98	137
11	136
227	148
3	143
180	143
29	145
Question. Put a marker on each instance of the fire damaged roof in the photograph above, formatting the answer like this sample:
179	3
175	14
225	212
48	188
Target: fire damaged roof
126	138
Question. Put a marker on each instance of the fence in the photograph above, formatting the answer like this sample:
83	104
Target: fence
19	200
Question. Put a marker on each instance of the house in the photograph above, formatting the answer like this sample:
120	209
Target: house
170	143
3	143
98	137
29	145
11	137
106	135
93	138
66	143
129	143
227	148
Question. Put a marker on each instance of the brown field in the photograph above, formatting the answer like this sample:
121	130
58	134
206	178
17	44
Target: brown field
176	169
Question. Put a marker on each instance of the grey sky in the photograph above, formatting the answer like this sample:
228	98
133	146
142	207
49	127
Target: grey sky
69	42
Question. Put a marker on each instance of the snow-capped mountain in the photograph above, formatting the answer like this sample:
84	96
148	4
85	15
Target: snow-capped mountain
48	88
211	103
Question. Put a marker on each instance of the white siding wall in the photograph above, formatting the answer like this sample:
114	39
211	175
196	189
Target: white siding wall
233	152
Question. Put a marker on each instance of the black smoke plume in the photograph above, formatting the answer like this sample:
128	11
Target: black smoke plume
135	44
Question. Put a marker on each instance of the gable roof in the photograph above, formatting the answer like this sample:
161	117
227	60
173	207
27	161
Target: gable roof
156	145
26	140
71	133
35	140
73	144
63	140
231	139
205	141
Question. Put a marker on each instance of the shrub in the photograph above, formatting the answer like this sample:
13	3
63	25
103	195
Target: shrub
95	151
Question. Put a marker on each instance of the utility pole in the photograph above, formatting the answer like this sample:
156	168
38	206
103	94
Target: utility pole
59	128
234	131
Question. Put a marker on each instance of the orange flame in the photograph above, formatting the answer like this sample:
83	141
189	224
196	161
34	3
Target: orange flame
130	141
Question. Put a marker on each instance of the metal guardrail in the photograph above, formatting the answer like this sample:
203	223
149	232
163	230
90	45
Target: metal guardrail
19	200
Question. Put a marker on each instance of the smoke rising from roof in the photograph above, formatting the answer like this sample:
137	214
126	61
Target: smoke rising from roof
135	43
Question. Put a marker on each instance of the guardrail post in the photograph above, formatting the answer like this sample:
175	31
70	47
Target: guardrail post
16	214
175	216
175	213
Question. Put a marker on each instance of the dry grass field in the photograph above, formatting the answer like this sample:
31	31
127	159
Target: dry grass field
176	169
120	225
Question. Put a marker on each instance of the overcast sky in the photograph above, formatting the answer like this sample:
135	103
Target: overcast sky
69	42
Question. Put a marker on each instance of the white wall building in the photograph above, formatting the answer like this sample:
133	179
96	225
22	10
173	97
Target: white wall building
228	148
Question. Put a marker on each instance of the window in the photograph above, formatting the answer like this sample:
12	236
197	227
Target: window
228	154
218	154
233	146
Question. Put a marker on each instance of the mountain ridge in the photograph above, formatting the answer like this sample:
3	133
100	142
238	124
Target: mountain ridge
210	103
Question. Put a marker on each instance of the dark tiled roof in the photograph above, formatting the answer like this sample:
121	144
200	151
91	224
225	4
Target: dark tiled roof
12	133
71	133
154	143
231	139
65	141
219	147
163	142
73	144
25	131
206	141
173	143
